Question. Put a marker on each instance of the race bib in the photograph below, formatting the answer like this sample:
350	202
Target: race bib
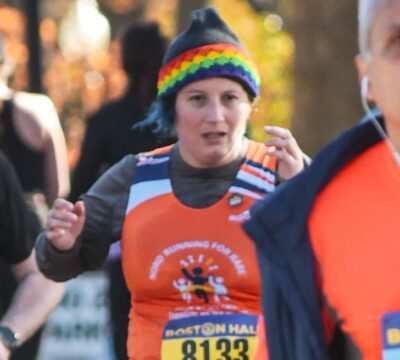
226	336
391	335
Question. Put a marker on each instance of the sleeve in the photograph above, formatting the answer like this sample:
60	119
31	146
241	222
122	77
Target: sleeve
18	224
92	154
105	204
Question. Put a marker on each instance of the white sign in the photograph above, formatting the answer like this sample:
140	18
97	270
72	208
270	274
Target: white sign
79	328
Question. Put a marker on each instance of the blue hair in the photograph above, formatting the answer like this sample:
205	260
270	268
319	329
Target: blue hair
160	118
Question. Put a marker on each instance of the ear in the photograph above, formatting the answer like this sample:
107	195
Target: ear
254	106
362	69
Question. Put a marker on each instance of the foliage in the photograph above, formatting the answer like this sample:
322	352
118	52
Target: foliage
272	49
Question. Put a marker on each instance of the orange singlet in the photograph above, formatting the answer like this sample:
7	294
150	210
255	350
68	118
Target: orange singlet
192	273
355	233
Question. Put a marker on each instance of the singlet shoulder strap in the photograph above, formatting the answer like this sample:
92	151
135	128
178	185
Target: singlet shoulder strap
258	171
151	177
158	152
152	165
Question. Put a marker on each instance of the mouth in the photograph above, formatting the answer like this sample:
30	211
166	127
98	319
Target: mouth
214	135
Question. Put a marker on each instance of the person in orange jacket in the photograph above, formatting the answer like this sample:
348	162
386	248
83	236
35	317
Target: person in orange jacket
328	240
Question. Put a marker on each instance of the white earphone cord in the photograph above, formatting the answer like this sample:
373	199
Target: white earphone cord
378	127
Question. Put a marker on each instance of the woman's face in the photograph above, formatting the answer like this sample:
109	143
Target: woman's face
211	118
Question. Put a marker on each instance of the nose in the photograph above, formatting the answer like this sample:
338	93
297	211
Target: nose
215	112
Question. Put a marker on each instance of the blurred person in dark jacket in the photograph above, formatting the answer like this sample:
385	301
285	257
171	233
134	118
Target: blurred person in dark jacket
109	137
35	296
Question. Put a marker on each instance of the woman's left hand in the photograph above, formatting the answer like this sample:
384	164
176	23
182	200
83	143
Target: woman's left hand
286	150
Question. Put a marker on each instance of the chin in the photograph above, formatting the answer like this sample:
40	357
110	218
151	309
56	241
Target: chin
216	159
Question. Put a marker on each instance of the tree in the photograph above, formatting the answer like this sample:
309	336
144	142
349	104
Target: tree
326	99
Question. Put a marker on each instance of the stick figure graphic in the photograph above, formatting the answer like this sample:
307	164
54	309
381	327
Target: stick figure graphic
219	289
182	285
198	281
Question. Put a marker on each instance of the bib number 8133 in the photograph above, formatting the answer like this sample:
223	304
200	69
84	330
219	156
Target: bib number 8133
222	349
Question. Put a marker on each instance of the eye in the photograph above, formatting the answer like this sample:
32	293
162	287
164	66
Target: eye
229	97
392	45
395	39
197	99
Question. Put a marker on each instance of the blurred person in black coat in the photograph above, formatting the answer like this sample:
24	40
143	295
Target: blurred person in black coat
35	296
109	136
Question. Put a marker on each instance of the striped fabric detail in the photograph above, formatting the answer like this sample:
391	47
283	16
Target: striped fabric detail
259	170
205	62
151	179
255	178
143	191
153	167
252	182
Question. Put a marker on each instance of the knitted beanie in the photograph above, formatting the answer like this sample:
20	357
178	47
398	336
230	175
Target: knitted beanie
207	48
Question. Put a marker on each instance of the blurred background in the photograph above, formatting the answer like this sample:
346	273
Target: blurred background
304	50
68	49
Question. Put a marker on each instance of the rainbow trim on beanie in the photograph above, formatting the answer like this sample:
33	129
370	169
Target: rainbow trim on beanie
205	62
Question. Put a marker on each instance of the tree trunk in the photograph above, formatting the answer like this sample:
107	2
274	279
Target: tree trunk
326	99
31	9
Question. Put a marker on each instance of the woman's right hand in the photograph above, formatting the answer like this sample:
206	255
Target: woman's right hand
64	223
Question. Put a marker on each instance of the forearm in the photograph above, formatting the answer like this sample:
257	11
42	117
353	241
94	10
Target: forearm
57	168
32	303
56	173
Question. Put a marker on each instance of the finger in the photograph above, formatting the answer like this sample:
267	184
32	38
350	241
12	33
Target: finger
60	219
54	234
79	208
62	204
283	139
277	142
288	145
60	239
53	224
278	131
62	215
281	155
292	148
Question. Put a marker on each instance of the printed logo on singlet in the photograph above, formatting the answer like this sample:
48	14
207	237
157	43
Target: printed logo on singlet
199	279
235	199
196	283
